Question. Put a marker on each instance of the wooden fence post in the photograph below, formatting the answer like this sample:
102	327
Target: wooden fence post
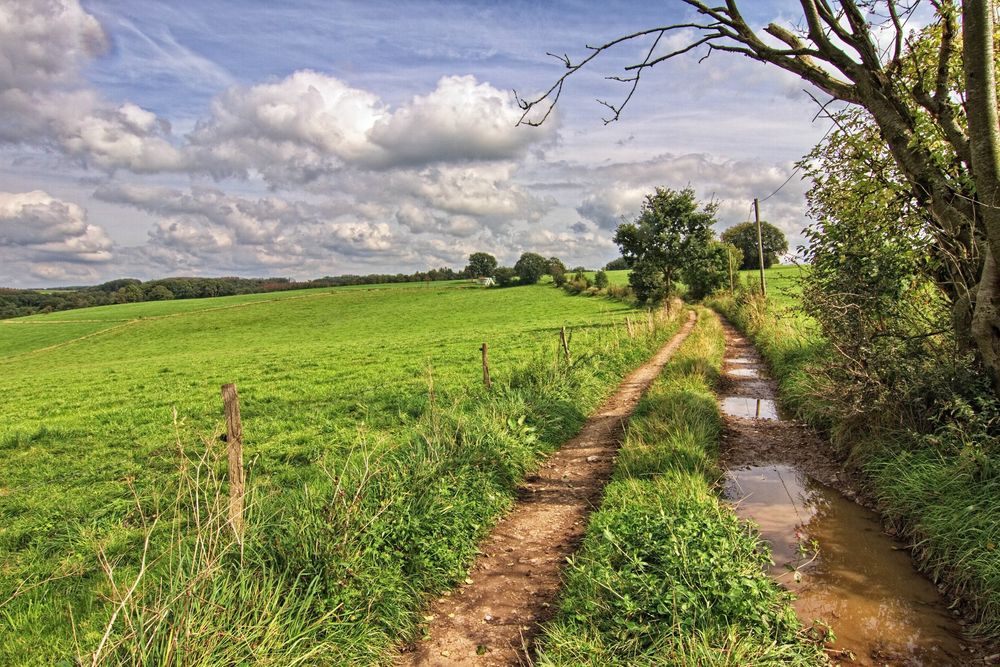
486	367
565	345
234	440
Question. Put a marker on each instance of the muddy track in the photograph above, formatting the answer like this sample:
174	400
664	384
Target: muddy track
860	580
494	617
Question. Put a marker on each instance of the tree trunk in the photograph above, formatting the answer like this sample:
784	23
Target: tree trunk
984	138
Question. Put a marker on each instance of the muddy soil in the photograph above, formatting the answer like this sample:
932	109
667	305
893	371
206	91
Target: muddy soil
493	618
827	549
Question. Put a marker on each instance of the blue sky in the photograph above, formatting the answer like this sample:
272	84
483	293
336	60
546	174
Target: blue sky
304	139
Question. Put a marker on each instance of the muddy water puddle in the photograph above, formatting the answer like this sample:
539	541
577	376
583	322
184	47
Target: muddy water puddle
832	554
748	407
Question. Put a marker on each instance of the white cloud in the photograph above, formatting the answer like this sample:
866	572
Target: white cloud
49	239
311	124
460	120
43	45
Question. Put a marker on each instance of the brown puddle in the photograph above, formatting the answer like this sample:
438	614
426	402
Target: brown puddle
749	407
859	580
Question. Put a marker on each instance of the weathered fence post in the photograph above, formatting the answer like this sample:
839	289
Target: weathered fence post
486	367
234	440
565	345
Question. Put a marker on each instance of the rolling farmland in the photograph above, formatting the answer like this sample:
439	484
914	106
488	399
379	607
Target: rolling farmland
333	383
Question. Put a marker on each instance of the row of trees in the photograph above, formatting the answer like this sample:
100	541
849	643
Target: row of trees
18	303
528	270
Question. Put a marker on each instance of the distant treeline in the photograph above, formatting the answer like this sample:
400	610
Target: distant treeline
17	303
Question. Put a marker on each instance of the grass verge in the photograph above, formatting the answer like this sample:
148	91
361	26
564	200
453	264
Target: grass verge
667	574
942	492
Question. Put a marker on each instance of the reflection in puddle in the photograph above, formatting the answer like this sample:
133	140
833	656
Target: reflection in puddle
743	372
858	581
749	408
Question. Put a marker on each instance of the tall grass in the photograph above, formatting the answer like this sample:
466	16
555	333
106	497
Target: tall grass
666	573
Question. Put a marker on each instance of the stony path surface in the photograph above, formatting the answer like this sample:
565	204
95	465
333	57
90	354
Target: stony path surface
493	618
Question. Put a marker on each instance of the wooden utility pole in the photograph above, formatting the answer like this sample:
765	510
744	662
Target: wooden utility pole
729	261
760	246
234	440
486	367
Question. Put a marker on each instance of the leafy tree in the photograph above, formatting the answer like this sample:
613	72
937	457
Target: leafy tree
558	271
744	237
130	293
159	293
708	271
481	265
619	264
935	108
670	232
601	280
504	276
530	268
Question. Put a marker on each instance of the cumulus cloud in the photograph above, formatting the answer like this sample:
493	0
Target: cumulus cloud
461	120
311	124
46	227
291	130
48	238
43	45
207	228
619	189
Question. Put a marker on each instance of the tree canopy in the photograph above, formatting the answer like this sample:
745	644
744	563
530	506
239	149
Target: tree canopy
672	230
530	268
481	265
744	237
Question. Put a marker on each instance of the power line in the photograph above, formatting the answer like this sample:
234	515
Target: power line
798	168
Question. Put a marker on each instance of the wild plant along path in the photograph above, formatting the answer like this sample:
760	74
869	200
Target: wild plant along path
512	587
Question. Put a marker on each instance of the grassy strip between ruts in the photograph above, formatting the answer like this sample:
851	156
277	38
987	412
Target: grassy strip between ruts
667	575
943	499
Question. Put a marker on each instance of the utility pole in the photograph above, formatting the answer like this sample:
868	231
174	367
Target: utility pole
760	246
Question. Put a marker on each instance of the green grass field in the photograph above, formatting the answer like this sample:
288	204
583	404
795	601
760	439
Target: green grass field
332	382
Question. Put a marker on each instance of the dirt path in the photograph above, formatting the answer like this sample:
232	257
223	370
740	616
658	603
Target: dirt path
512	587
832	553
749	441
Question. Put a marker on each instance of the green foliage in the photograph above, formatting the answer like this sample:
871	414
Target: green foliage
670	233
374	468
481	265
666	574
505	276
619	264
709	272
558	271
159	293
530	268
744	237
601	280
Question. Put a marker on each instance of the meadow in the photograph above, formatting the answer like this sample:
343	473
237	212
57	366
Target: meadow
376	460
